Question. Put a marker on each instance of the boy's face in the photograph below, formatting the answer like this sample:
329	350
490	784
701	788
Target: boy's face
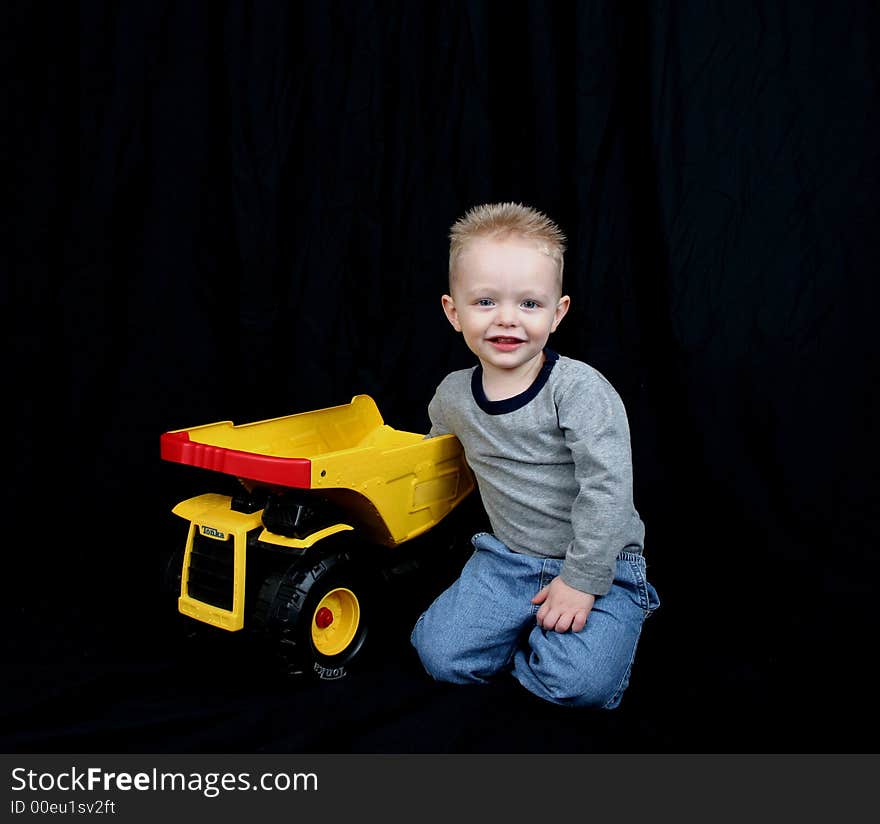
505	301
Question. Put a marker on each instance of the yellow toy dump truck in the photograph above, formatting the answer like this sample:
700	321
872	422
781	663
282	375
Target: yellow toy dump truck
326	500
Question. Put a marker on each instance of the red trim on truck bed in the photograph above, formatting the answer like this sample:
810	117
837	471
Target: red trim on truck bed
294	472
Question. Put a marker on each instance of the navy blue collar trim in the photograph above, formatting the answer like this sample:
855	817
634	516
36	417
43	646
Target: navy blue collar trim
517	401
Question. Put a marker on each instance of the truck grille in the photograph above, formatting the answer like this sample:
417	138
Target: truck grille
212	571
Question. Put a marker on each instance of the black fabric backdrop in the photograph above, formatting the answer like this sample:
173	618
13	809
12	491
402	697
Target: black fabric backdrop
239	210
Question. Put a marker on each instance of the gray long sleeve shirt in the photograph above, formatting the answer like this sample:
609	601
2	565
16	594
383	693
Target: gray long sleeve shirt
553	465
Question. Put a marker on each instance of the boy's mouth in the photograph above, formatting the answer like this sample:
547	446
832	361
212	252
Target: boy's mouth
504	342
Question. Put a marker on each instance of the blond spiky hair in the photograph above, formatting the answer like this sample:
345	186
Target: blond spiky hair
499	220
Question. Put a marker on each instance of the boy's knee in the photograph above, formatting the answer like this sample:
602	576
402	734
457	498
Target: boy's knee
441	659
597	692
586	689
583	684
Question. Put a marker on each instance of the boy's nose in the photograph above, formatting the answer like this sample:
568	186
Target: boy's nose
506	316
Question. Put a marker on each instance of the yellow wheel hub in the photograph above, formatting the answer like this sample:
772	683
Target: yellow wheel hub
335	621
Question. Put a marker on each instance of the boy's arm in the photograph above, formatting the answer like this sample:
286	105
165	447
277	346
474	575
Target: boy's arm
604	518
437	417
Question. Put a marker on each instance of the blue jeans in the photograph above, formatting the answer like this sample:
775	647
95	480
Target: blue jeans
485	624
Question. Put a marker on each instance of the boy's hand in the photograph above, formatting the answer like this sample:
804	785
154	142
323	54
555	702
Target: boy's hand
563	607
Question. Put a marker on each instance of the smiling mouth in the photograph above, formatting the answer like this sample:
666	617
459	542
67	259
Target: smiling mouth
503	342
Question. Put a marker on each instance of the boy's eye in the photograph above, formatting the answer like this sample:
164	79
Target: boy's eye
485	302
530	304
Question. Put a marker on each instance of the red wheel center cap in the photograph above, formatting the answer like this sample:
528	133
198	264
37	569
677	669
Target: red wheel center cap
323	618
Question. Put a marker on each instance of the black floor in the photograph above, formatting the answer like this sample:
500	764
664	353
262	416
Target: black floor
107	666
93	678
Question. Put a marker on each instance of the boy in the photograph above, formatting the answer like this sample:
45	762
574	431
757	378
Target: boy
557	595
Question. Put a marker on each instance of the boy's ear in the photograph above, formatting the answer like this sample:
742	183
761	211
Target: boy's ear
450	312
561	311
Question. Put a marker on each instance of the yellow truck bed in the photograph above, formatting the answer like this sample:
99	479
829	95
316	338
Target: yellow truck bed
395	484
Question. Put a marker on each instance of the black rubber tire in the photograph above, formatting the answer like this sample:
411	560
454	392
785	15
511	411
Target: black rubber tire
287	604
183	629
171	573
